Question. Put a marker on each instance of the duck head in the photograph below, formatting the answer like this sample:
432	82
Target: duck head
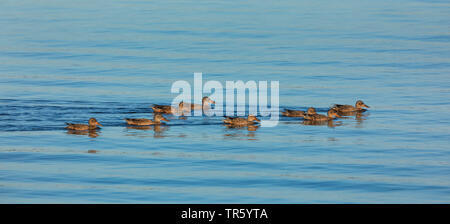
332	113
159	118
94	122
253	118
206	99
360	104
311	111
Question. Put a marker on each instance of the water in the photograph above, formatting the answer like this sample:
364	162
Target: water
67	61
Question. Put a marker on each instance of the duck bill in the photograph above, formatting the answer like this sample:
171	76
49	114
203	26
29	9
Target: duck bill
337	115
99	124
364	105
164	119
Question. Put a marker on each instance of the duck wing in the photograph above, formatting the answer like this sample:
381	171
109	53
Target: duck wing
162	108
138	121
316	117
196	106
293	113
235	120
340	107
77	126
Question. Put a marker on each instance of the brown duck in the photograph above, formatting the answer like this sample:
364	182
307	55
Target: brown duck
331	114
157	118
82	127
167	109
298	113
239	121
206	104
349	108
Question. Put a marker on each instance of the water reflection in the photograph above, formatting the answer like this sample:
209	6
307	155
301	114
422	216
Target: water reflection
360	116
94	133
250	128
158	130
329	123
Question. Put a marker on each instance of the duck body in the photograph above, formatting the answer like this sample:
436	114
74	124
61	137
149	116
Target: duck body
142	121
206	104
349	108
298	113
180	110
317	117
92	125
357	113
293	113
331	114
162	109
239	121
167	109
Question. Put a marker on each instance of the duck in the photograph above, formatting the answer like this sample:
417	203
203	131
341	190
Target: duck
298	113
239	121
167	109
349	108
331	114
206	104
157	118
92	125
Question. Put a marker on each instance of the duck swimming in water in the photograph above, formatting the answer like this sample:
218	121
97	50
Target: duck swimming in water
206	104
239	121
298	113
92	125
157	118
167	109
184	107
331	114
349	108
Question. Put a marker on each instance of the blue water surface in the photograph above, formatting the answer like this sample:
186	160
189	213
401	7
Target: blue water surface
67	61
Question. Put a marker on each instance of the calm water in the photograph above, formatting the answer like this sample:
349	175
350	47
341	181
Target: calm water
65	62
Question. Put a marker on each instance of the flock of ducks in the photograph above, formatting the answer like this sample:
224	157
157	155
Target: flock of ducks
338	110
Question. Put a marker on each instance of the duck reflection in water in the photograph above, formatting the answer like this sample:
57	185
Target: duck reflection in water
329	123
93	133
250	128
360	116
158	130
